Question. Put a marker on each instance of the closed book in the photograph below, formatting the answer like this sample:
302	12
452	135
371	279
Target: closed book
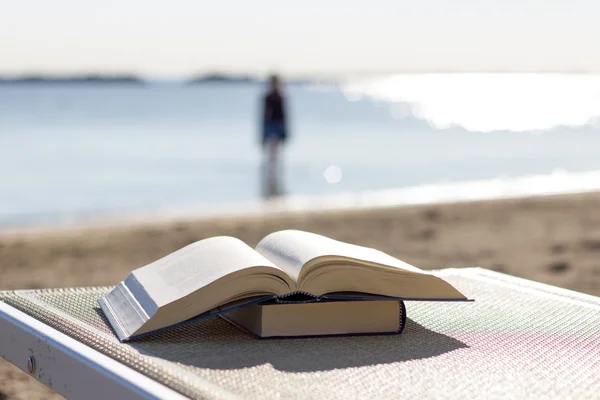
320	318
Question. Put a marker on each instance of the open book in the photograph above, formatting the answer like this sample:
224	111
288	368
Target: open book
218	274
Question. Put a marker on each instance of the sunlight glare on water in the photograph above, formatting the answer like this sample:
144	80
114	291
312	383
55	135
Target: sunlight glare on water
489	102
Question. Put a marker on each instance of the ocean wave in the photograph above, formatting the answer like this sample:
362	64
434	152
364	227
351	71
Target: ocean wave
558	182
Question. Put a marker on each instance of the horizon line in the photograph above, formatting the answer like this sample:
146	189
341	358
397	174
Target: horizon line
261	75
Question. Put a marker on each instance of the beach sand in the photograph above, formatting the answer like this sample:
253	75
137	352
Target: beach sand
554	239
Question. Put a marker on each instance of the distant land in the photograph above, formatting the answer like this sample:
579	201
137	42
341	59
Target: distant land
208	78
222	78
95	79
226	78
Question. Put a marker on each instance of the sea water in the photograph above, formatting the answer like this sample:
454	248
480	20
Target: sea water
74	150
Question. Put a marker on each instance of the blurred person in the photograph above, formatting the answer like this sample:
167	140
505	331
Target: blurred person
274	135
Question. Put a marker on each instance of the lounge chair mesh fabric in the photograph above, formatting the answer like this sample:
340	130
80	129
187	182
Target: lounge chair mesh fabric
518	339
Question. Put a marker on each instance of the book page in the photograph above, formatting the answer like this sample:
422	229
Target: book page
292	249
196	266
320	265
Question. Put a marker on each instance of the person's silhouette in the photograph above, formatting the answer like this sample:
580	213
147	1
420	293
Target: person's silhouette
274	134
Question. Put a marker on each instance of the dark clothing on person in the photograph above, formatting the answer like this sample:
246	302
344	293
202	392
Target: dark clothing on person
274	110
273	130
274	126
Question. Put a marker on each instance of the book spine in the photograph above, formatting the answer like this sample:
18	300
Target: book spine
402	317
297	297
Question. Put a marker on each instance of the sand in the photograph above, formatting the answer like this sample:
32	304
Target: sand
554	239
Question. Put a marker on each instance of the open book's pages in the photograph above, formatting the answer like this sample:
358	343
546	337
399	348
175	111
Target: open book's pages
320	265
189	282
319	318
216	274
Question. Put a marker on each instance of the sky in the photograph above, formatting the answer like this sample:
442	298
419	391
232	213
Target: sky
184	37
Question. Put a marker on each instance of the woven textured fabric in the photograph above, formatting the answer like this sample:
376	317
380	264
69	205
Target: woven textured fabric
518	339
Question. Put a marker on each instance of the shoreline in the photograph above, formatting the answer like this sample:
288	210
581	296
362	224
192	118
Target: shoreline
497	234
527	186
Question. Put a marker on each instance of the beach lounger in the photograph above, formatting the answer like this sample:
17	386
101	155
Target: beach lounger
518	339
